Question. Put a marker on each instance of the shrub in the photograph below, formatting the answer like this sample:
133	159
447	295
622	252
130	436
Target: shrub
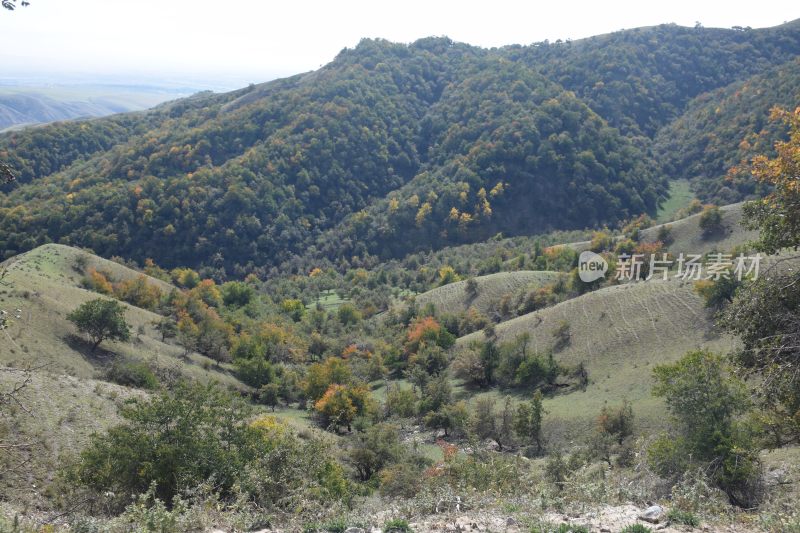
180	439
711	221
665	235
376	448
636	528
397	525
704	400
176	440
132	374
401	479
686	518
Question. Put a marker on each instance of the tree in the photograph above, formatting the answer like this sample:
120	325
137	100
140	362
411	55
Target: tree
765	314
483	421
717	293
528	421
341	404
777	216
704	401
374	449
6	174
101	320
167	327
400	402
177	440
711	221
269	395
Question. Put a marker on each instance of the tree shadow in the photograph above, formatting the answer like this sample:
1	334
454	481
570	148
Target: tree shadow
97	358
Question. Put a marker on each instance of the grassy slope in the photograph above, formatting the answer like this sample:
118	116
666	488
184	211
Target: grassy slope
619	333
453	298
688	236
63	412
67	402
680	196
46	287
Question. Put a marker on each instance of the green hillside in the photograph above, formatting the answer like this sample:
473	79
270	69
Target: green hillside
687	237
722	128
387	150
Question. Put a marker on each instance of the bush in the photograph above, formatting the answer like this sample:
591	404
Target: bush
401	479
636	528
711	221
180	439
704	401
132	374
397	525
676	516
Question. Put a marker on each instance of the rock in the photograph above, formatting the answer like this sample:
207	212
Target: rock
652	514
354	530
511	521
605	530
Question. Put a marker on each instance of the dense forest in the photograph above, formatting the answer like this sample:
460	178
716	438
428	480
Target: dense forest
393	148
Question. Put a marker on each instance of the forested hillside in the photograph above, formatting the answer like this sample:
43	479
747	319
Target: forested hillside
389	149
722	128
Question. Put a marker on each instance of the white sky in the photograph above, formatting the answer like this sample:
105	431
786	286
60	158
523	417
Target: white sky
252	41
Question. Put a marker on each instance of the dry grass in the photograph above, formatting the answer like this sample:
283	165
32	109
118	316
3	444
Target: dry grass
454	298
688	238
620	333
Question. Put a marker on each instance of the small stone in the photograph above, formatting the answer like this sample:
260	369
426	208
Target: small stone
354	530
511	521
605	530
652	514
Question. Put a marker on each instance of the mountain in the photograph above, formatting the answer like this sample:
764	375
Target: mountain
387	150
724	127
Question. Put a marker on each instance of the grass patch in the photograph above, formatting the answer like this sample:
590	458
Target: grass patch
329	301
680	196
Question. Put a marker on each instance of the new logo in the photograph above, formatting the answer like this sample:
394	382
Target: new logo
591	266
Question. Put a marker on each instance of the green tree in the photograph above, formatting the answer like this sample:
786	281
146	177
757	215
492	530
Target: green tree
376	448
270	395
101	320
177	440
167	327
237	294
704	401
711	221
528	421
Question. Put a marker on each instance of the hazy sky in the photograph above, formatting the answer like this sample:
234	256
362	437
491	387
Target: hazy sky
249	40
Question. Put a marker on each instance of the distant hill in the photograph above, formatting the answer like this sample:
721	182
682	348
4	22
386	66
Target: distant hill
22	105
389	149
